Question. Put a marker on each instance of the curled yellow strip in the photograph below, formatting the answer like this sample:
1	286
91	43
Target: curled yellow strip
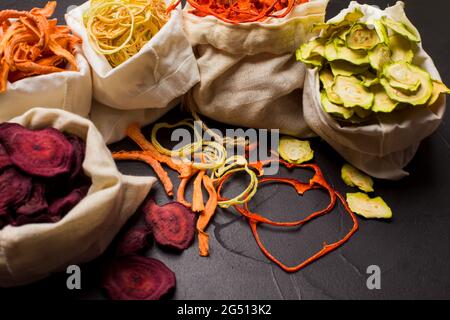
237	164
118	29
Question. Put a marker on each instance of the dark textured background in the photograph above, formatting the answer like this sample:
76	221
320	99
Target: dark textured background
412	250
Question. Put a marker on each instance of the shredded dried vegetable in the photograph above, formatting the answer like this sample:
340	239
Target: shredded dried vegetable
118	29
241	11
31	44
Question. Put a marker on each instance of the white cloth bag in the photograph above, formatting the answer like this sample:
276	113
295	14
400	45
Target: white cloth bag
155	78
67	90
382	149
31	252
248	72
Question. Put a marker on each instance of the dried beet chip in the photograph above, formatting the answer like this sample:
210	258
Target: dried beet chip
138	278
43	153
79	148
61	206
134	241
40	218
5	161
8	128
36	203
173	225
15	188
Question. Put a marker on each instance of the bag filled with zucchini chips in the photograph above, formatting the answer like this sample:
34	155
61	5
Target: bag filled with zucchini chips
31	252
248	73
41	64
400	114
142	62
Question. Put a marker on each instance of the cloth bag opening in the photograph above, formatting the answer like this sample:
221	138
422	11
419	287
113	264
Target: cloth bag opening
145	86
384	148
248	72
31	252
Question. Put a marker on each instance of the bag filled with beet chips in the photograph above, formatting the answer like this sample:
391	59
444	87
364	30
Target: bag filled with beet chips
248	73
137	76
384	146
41	64
32	251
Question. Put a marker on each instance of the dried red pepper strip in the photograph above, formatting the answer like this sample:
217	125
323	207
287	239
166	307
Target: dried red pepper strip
318	181
325	250
300	187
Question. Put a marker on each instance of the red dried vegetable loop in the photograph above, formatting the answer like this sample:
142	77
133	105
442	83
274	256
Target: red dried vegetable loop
43	153
173	225
133	241
36	203
317	182
138	278
15	188
325	250
40	218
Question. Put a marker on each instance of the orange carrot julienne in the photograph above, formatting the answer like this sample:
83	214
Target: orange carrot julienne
205	217
182	189
135	134
31	44
197	197
147	158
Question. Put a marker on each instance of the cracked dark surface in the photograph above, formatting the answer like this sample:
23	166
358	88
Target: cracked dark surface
411	250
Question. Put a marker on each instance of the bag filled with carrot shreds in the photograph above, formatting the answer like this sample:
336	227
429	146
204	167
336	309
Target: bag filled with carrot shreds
246	56
381	92
41	64
141	60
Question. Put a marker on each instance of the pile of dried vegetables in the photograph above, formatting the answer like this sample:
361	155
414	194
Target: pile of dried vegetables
33	44
241	11
209	163
369	67
118	29
41	174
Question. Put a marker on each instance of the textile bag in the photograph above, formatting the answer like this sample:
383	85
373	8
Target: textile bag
248	72
67	90
384	148
31	252
153	79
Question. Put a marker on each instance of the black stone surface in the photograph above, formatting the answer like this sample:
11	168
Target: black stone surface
412	250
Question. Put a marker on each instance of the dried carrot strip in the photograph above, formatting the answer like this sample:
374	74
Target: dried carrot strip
147	158
182	189
197	197
134	133
31	44
205	216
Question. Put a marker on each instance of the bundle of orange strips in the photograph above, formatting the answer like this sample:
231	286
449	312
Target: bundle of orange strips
33	44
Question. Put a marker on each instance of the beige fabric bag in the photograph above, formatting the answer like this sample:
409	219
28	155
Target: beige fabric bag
163	71
32	252
382	149
248	72
69	90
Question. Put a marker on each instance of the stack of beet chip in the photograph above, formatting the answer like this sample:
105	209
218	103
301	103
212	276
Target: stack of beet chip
41	174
